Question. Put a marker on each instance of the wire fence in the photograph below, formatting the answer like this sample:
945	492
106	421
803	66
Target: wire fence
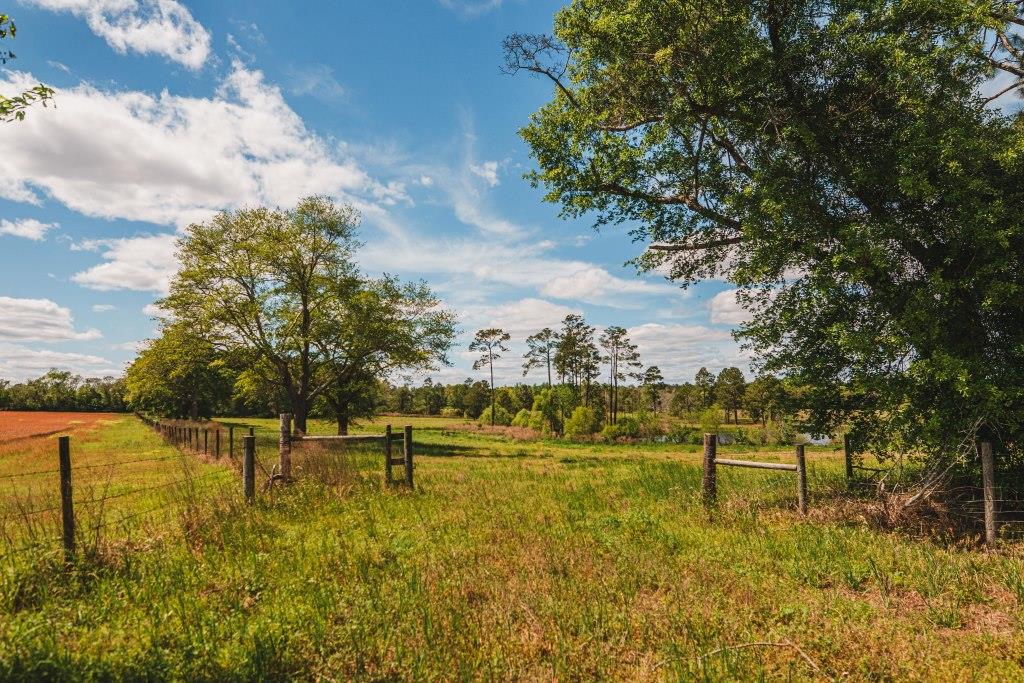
83	500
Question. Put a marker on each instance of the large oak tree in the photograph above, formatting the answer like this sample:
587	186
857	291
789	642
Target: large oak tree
844	163
280	291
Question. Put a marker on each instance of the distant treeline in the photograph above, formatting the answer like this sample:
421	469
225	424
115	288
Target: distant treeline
64	391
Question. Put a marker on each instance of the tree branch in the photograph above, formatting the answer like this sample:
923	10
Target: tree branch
714	244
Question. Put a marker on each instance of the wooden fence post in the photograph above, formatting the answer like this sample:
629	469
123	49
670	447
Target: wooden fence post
988	483
231	442
249	467
387	454
710	487
216	447
67	509
848	457
252	431
284	445
801	480
206	440
407	446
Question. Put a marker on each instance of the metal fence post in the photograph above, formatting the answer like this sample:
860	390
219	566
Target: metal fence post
988	483
407	446
710	488
67	509
801	480
249	467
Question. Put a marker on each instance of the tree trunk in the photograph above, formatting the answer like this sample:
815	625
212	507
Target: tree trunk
193	410
492	390
342	423
300	410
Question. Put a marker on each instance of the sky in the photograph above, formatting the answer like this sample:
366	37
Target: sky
169	111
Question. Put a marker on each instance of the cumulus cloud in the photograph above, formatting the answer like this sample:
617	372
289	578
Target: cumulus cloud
726	309
19	363
488	170
144	263
161	27
595	285
29	228
173	160
681	350
103	308
38	320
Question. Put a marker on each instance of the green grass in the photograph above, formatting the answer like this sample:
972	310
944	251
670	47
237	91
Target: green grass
513	560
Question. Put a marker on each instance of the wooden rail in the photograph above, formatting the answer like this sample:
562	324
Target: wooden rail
712	461
756	465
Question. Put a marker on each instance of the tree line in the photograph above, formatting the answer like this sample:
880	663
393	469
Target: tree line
61	390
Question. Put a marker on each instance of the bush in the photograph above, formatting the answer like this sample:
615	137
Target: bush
451	412
522	418
582	423
711	420
501	416
643	425
680	433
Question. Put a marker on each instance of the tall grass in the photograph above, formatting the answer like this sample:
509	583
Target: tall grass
512	561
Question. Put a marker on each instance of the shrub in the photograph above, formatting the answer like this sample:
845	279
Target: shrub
680	433
711	420
522	418
451	412
501	416
582	423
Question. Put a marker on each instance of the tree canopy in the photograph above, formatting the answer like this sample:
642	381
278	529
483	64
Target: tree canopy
281	292
841	162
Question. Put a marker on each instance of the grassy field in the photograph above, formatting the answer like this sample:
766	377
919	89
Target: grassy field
510	560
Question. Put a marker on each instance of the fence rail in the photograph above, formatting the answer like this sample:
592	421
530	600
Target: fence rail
712	461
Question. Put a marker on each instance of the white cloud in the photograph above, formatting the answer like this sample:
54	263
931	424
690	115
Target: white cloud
487	170
19	363
681	350
133	346
173	160
144	263
29	228
597	286
153	311
38	320
162	27
726	309
426	181
103	308
526	316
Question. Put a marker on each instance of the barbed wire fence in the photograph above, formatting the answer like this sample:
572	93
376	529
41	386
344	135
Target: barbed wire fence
85	507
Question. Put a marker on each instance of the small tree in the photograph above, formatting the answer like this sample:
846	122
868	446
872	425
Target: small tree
653	382
542	348
729	390
623	359
489	342
705	383
684	400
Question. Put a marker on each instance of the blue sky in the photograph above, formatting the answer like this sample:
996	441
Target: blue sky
167	112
